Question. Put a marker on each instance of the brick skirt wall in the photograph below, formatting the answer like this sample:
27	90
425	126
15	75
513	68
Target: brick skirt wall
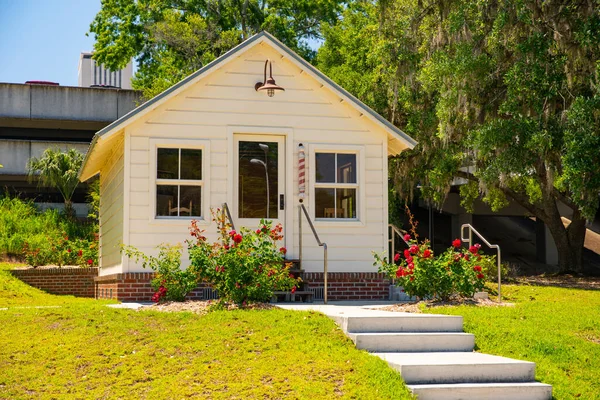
71	281
350	285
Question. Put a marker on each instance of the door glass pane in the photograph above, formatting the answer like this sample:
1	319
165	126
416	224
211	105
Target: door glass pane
324	203
345	201
167	166
189	203
325	167
257	166
166	200
191	164
346	168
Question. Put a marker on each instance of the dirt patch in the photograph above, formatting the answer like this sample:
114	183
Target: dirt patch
418	307
565	281
202	306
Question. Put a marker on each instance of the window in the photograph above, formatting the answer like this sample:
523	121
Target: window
336	185
179	182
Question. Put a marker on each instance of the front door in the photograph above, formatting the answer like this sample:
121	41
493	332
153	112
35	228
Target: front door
259	186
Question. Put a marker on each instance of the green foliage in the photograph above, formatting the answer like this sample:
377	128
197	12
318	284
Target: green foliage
224	354
420	273
170	281
34	236
59	170
503	94
243	266
170	40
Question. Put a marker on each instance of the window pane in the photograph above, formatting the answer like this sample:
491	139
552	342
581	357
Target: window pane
324	203
346	203
167	166
191	164
166	200
190	201
257	165
346	168
325	167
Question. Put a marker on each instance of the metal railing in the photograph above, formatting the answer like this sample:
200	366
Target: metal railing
395	231
488	244
228	213
302	209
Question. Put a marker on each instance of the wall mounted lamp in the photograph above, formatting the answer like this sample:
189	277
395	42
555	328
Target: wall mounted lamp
269	84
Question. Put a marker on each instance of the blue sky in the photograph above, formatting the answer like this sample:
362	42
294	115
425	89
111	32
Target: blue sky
42	39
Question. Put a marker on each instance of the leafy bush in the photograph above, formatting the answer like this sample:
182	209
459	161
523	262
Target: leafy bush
42	238
243	266
170	281
457	271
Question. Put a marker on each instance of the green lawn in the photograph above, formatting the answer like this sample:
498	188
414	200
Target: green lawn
83	349
557	328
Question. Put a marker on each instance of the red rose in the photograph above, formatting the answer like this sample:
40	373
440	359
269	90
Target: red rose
427	253
232	233
68	250
414	249
479	276
258	231
90	262
466	257
237	238
283	250
412	278
400	272
294	289
456	257
397	257
406	254
474	249
477	268
456	243
79	253
411	265
406	237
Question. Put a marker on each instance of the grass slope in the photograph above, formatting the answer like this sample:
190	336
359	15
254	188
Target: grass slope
559	329
83	349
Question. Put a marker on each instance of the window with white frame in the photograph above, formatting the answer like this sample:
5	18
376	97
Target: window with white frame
336	185
179	182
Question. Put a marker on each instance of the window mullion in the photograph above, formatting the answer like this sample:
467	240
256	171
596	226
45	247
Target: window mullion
178	199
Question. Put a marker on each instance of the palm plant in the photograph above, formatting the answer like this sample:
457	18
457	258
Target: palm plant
60	170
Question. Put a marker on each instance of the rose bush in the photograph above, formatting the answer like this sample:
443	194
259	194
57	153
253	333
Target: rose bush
170	281
457	271
246	265
62	250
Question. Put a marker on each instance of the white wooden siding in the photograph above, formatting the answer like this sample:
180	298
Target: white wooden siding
111	210
226	102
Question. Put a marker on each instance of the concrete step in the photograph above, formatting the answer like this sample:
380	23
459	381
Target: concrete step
431	368
483	391
414	342
399	322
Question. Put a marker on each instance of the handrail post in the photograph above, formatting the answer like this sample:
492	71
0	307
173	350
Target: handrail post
300	235
302	209
393	244
499	277
228	213
325	273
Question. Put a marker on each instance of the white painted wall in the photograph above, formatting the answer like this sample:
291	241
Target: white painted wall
111	210
225	103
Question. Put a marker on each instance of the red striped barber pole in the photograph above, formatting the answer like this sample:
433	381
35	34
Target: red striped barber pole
301	172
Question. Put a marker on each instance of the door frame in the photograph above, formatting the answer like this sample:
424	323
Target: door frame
290	194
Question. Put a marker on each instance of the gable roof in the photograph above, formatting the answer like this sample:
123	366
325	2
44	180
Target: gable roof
116	126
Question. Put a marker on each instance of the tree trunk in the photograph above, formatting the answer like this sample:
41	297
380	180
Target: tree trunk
569	241
69	210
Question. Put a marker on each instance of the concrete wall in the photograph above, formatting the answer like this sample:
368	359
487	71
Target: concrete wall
44	102
14	154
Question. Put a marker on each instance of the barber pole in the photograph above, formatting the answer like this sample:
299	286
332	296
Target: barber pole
301	172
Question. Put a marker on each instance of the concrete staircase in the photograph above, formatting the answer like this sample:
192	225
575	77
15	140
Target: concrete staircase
436	358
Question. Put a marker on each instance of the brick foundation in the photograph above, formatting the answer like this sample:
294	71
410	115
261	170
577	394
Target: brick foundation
133	286
350	285
70	281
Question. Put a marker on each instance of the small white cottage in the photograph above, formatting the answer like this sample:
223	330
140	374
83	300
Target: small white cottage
232	133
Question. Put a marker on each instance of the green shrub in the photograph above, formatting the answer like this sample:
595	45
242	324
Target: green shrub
39	237
242	266
170	282
457	271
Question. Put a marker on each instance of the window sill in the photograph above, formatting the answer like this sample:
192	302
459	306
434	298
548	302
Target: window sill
348	223
178	221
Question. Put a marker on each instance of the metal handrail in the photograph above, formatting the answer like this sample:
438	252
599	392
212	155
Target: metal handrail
301	209
488	244
395	231
228	213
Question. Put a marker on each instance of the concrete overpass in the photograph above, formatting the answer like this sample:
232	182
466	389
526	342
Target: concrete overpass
35	117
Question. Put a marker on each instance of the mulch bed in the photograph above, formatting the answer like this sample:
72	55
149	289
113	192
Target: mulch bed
565	281
416	307
202	306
